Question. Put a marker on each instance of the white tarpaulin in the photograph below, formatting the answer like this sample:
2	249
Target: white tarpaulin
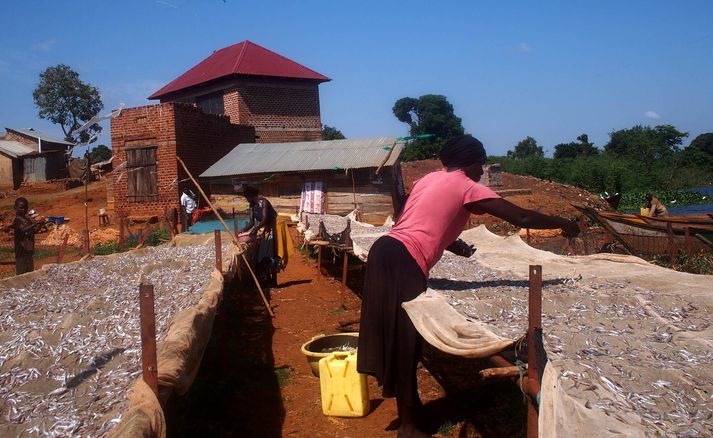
630	344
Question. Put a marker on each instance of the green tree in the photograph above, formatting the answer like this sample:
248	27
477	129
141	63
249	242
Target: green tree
526	148
700	153
330	133
99	153
429	114
703	143
64	99
582	147
645	143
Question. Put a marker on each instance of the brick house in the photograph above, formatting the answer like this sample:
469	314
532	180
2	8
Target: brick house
145	142
253	86
29	155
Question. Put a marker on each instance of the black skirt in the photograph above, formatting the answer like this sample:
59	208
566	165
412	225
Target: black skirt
389	344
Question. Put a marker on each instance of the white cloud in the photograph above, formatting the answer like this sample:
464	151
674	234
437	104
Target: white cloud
524	48
44	46
652	115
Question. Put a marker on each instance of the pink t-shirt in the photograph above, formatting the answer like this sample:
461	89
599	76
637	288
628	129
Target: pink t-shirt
435	214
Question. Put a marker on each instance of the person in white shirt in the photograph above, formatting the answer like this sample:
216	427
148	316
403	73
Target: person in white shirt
188	204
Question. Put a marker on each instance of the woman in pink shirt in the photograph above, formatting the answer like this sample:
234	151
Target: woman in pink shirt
399	262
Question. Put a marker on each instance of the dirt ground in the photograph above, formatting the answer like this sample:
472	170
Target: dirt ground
254	380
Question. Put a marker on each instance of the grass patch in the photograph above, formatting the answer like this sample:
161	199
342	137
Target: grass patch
44	252
447	428
105	248
701	263
337	310
283	374
7	253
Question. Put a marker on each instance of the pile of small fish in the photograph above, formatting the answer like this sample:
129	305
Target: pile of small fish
631	353
70	344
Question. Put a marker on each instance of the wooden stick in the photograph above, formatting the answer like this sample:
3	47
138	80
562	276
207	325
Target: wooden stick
218	252
506	372
534	323
230	233
148	336
60	256
121	232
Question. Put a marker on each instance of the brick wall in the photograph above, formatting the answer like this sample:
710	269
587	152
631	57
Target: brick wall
28	141
280	111
203	139
200	140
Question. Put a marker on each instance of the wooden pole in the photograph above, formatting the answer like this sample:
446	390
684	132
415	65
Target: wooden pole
235	222
60	256
534	325
174	220
230	233
148	336
121	232
218	252
506	372
344	270
671	245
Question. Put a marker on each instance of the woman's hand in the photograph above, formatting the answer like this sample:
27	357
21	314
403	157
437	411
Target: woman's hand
461	248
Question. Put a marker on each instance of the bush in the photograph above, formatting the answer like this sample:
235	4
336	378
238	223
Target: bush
105	248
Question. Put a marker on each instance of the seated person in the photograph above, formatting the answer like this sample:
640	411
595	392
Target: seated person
656	208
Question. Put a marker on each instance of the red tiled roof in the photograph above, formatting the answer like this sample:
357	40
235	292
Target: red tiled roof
245	58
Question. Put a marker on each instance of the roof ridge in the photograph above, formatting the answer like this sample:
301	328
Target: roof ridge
286	58
242	53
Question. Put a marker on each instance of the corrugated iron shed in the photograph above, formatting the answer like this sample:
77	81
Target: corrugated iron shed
252	158
42	136
15	149
245	58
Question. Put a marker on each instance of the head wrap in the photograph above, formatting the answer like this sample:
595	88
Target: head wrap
462	151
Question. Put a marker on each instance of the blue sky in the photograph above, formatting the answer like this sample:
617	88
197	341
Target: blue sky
551	69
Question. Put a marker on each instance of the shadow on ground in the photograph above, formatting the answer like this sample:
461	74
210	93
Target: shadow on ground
237	390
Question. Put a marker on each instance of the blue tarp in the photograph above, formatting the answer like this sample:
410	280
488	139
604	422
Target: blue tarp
209	226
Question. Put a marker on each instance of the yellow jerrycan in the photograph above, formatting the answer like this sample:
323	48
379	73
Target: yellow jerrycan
344	391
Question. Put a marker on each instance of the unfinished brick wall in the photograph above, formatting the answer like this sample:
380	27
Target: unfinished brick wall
13	136
200	140
203	139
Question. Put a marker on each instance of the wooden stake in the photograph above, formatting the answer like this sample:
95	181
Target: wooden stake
671	245
148	336
174	221
230	233
534	324
344	270
218	252
121	232
86	241
60	256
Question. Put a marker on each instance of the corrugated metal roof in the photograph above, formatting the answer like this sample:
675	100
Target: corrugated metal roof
245	58
250	158
42	136
15	149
